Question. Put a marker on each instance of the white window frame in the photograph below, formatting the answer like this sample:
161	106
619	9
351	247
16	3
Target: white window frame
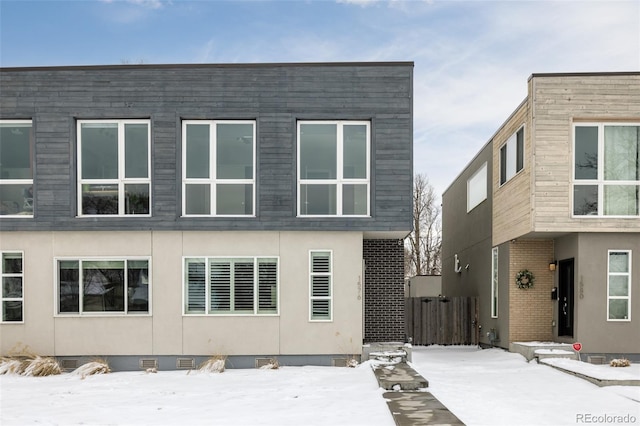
477	188
121	181
208	312
313	274
340	180
511	147
80	259
494	282
629	285
212	180
600	182
4	275
22	123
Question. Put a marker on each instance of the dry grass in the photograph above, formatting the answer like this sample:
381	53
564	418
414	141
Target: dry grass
215	364
98	366
272	365
42	366
13	365
620	362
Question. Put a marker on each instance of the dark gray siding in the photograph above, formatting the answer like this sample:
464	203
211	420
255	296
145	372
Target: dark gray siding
275	95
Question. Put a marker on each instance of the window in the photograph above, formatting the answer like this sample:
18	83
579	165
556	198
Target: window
320	286
512	156
218	166
477	188
619	285
606	170
244	286
16	168
494	282
12	287
333	168
113	167
92	286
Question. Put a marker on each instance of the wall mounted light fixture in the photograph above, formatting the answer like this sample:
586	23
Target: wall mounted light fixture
552	265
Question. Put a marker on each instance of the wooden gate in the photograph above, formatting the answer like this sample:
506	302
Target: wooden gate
442	320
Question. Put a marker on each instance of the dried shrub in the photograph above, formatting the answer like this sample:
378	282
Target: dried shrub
13	365
42	366
273	364
623	362
98	366
215	364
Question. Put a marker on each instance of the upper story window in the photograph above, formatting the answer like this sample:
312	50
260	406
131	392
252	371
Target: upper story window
114	167
95	286
477	188
333	168
218	168
12	273
16	168
231	286
512	156
606	180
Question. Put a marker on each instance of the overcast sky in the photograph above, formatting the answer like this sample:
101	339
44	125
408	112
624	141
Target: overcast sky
472	58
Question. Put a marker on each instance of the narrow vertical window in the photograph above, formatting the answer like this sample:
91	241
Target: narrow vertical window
494	282
321	282
477	188
114	168
619	285
16	169
512	156
12	273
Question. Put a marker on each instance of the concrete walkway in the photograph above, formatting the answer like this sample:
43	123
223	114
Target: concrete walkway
408	399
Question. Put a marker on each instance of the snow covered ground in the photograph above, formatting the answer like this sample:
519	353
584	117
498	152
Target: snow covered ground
481	387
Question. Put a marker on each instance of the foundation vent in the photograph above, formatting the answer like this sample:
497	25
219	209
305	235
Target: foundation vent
186	363
69	364
148	363
597	359
339	362
261	362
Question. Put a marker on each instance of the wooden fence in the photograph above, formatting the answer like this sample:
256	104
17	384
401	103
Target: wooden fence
442	321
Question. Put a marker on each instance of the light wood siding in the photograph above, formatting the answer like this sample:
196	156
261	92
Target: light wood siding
512	201
275	95
558	102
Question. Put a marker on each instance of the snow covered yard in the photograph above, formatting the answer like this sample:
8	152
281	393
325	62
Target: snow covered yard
481	387
494	387
287	396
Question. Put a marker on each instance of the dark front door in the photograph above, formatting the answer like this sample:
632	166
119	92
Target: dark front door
565	298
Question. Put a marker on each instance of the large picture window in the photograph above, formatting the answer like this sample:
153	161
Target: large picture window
232	286
12	273
93	286
218	166
16	168
114	167
606	170
321	286
512	156
333	168
619	285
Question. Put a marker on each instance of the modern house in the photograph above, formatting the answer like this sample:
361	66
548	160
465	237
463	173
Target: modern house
554	192
160	214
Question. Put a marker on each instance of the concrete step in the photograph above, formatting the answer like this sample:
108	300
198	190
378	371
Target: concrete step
398	377
418	408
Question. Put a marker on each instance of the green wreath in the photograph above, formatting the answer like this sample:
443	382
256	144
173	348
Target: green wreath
525	279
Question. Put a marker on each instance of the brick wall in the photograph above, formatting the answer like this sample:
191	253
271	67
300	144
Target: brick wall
531	310
384	291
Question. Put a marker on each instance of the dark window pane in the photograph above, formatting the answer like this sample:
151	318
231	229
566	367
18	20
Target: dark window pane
16	152
11	263
318	151
234	199
103	286
136	150
585	200
503	164
136	198
196	285
234	151
520	150
198	199
16	199
100	199
318	199
99	150
68	278
197	147
12	287
586	153
355	151
138	282
12	310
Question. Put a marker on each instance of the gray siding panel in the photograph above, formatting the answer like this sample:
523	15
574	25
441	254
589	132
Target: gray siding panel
275	95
